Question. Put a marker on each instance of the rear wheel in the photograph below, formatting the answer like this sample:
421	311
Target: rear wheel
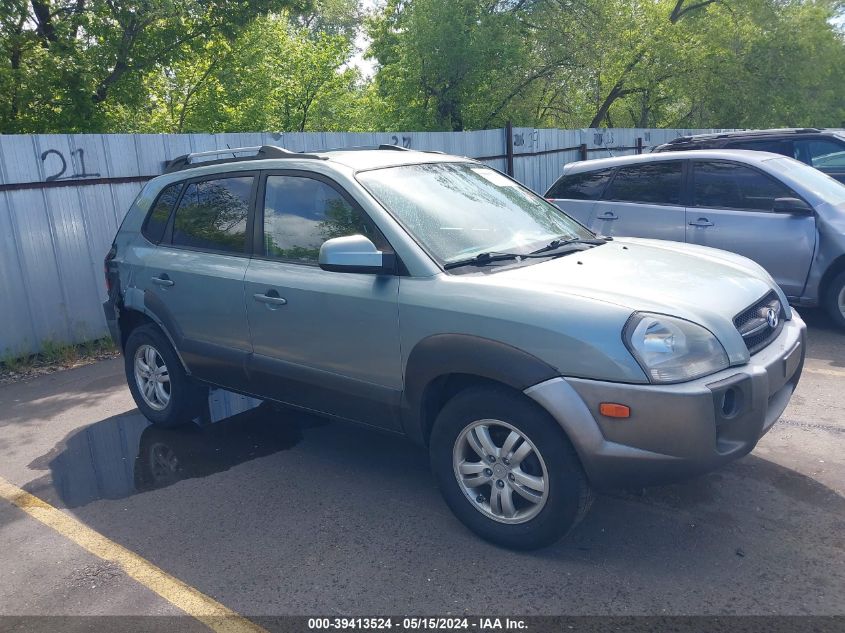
159	385
506	469
835	299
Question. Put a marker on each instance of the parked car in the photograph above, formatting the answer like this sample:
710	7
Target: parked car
786	216
819	148
431	296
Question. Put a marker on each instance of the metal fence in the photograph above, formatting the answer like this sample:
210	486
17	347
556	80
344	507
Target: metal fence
62	198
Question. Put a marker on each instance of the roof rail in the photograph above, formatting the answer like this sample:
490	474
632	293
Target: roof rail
367	148
383	146
407	149
770	132
261	152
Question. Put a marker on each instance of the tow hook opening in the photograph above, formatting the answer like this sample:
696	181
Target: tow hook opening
731	399
732	402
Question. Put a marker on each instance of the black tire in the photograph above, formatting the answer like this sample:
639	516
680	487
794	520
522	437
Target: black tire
185	396
831	299
569	494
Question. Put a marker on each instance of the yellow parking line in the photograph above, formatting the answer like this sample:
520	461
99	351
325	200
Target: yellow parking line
826	372
193	602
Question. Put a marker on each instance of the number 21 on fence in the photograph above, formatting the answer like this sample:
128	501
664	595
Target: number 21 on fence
77	159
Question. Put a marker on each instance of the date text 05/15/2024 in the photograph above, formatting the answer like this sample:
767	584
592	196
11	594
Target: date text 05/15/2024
418	623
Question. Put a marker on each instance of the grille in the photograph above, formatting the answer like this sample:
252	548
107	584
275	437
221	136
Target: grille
753	324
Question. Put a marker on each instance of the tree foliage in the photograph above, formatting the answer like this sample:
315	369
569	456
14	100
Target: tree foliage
277	75
65	61
571	63
221	65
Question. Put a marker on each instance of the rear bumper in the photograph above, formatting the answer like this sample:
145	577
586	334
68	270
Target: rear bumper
110	312
676	431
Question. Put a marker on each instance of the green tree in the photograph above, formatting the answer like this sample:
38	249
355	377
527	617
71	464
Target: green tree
442	63
277	77
590	63
707	63
778	64
284	65
65	60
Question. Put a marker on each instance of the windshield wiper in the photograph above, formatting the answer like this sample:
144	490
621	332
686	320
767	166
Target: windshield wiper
558	242
482	259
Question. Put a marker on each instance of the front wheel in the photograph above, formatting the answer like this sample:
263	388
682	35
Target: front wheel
164	393
835	299
506	468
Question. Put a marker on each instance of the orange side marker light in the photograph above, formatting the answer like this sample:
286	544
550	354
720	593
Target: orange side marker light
614	410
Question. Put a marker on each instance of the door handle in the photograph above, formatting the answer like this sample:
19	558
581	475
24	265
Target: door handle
701	222
164	280
608	215
272	298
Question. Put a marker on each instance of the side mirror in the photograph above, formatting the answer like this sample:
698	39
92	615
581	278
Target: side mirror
355	254
795	206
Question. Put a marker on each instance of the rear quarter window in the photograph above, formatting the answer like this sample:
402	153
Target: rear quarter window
156	222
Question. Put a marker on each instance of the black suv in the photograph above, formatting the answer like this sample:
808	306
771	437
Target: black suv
822	149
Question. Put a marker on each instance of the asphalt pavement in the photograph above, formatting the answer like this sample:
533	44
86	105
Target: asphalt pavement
282	513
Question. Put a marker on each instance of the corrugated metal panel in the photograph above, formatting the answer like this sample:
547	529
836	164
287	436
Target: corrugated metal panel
52	240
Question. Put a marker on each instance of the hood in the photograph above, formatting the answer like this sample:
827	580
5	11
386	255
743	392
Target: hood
704	285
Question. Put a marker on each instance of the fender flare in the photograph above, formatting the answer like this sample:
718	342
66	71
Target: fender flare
444	354
147	304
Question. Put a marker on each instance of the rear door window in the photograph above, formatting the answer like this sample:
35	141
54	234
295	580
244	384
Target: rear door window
212	214
648	183
584	186
726	185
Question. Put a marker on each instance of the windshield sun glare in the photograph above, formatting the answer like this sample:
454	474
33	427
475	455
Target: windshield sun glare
459	210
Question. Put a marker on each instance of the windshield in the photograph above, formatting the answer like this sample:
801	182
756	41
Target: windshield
460	210
825	187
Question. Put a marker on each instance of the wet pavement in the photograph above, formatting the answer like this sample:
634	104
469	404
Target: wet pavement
279	512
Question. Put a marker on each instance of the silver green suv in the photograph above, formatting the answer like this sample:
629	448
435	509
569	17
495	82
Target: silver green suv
431	296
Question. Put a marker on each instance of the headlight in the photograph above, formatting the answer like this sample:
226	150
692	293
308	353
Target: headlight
671	349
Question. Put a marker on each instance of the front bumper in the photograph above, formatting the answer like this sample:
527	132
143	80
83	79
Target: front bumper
680	430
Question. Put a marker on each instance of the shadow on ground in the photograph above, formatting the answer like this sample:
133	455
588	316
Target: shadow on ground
824	337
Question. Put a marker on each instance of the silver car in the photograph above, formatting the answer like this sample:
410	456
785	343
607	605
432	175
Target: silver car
431	296
783	214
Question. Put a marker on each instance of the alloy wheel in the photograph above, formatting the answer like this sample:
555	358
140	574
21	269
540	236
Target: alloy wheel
500	471
152	377
840	301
